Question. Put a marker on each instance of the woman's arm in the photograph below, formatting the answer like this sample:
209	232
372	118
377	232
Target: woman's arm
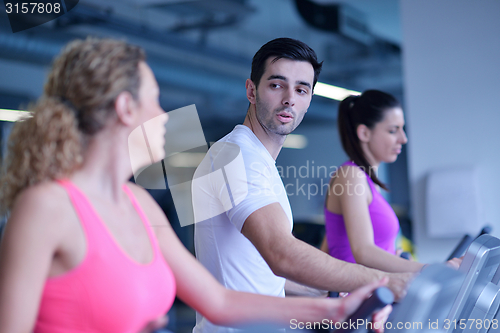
200	290
354	208
324	246
26	251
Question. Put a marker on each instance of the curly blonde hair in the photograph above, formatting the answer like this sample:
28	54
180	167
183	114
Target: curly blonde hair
77	102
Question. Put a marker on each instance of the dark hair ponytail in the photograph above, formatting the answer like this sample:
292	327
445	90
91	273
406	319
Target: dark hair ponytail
367	109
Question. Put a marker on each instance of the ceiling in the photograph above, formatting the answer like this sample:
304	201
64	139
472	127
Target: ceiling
201	50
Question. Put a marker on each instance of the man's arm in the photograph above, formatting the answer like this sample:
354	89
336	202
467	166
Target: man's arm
268	229
296	289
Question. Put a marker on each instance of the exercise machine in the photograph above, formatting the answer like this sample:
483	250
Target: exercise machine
476	306
428	301
424	309
466	242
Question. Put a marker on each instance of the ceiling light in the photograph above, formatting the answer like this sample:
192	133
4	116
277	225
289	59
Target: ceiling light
295	141
186	160
333	92
13	115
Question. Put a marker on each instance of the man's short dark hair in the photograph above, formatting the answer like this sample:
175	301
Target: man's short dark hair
287	48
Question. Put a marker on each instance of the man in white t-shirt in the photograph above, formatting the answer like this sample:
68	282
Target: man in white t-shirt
242	213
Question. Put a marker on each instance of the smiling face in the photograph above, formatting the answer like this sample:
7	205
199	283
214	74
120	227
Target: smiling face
384	141
283	95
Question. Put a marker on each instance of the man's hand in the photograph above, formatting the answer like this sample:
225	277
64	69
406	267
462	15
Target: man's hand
399	283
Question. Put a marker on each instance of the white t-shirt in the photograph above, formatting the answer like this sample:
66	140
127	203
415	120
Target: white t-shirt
237	177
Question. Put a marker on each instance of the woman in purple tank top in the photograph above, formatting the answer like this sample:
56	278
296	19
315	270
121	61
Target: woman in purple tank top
360	225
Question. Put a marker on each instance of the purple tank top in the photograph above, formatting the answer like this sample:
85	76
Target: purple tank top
384	222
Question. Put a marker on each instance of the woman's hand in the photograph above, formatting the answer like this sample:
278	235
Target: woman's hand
408	256
455	262
354	300
380	318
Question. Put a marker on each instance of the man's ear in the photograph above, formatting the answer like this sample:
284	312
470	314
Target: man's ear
126	108
364	133
251	91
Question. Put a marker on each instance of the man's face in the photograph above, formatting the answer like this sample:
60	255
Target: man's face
284	94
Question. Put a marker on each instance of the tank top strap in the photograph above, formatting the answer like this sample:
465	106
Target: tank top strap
85	212
349	163
143	217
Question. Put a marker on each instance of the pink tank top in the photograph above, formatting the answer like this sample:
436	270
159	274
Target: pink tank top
108	292
384	222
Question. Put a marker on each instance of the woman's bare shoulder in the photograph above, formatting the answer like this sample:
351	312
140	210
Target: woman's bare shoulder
43	209
46	196
350	173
